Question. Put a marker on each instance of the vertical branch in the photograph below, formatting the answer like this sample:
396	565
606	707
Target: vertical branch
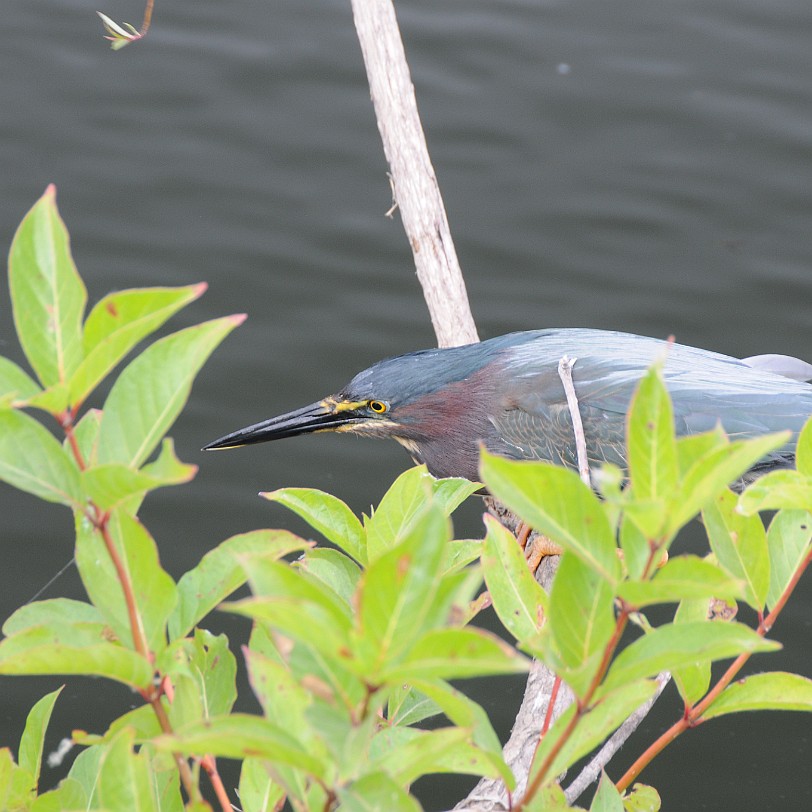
414	183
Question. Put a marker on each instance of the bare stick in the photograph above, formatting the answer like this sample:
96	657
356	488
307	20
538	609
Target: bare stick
414	183
592	771
565	366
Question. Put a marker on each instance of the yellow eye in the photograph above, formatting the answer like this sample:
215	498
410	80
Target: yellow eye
379	406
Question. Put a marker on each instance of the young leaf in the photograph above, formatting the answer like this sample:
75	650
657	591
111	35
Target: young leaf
650	439
336	570
32	460
125	780
258	791
740	545
47	294
518	600
788	539
155	591
683	578
16	383
777	690
635	546
220	573
116	324
151	391
554	501
677	644
408	706
642	798
86	434
327	514
803	450
33	738
777	490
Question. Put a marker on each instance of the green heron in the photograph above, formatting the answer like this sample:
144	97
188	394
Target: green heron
506	394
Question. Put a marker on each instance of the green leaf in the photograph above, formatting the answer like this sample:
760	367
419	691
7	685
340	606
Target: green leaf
692	680
327	514
151	391
604	716
69	795
408	706
460	553
154	590
607	798
642	798
777	490
220	573
740	545
51	612
554	501
47	295
241	736
125	780
86	434
803	450
683	578
635	546
652	448
16	383
74	648
397	591
788	539
519	601
720	466
581	615
117	323
456	654
677	644
691	448
258	791
32	460
777	690
33	738
332	567
376	791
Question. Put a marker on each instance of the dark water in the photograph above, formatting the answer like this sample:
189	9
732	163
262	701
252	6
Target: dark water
643	166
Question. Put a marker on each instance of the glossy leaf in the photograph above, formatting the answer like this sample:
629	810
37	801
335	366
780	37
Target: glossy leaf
32	460
117	323
652	449
154	590
33	738
740	545
15	382
242	736
47	295
674	645
777	690
220	573
683	578
456	654
581	614
788	540
39	650
518	600
554	501
327	514
151	391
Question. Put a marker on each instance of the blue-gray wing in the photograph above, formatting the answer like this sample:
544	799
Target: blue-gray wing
706	389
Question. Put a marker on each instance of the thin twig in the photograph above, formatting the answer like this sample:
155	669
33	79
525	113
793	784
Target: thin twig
565	366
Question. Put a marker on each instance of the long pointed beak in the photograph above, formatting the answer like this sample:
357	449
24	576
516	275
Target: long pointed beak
315	417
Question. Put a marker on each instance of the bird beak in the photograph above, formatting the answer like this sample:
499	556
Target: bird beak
326	415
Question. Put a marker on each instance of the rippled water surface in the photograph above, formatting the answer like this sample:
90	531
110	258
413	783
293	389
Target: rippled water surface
643	166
